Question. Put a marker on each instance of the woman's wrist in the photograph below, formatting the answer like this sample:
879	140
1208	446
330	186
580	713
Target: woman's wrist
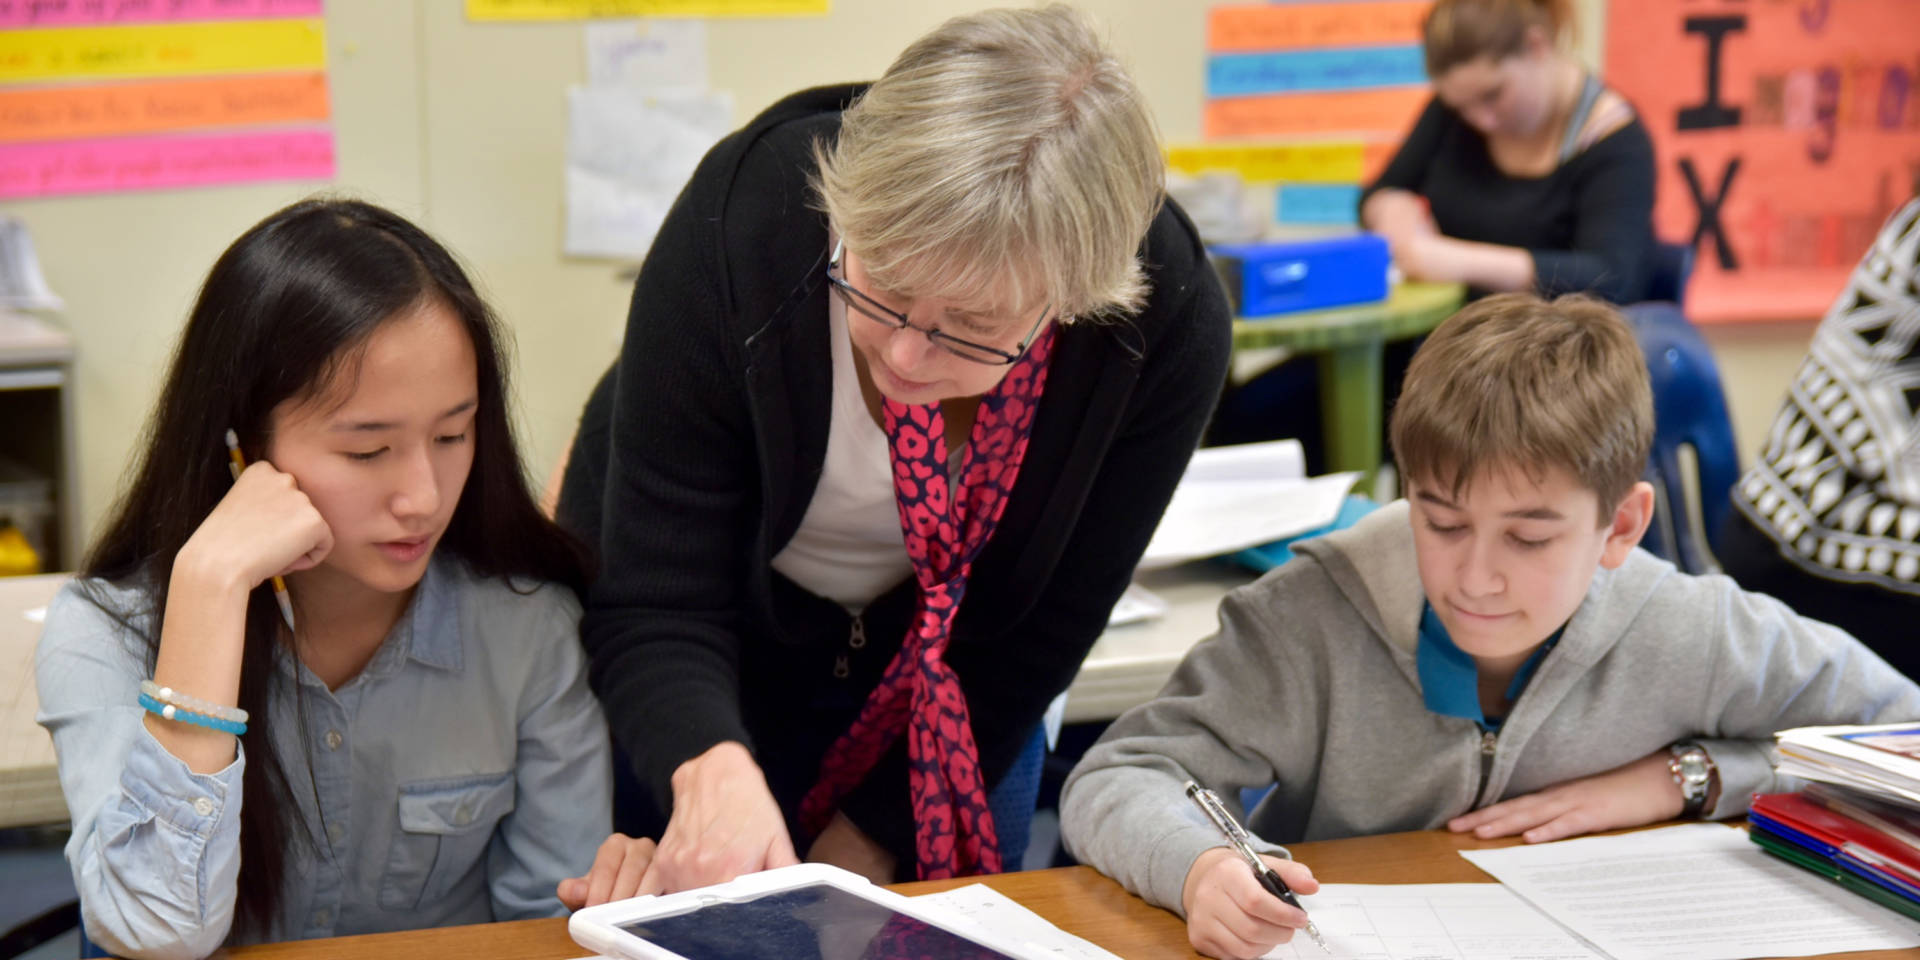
723	761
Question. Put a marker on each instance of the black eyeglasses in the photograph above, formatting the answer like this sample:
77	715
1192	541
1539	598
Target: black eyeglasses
958	346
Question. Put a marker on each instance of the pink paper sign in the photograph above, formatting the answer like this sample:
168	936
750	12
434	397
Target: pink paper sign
81	13
146	163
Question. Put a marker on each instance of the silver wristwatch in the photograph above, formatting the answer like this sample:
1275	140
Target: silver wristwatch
1694	771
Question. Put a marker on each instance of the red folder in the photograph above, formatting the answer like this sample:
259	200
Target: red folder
1855	828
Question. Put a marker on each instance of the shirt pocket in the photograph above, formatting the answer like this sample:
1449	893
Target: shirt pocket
442	836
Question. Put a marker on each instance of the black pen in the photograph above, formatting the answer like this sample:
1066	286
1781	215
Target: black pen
1238	839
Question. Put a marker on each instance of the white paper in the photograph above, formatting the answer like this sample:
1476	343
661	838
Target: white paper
1430	921
1694	892
1880	758
628	154
1209	518
655	54
1268	460
1003	915
1135	605
36	614
22	285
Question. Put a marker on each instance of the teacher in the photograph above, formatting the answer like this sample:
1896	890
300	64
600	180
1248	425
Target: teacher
910	373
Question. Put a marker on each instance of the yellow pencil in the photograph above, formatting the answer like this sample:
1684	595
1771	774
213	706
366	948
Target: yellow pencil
237	463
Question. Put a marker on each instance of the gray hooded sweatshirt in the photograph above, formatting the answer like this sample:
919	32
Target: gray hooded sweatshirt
1310	684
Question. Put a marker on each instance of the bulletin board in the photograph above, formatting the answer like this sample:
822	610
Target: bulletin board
100	96
1785	131
1310	97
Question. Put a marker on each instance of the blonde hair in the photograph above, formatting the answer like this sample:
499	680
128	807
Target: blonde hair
1516	381
1461	31
1006	159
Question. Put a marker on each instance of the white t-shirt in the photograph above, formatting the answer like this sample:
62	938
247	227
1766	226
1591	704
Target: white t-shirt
849	547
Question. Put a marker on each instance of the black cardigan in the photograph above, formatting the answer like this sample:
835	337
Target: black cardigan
715	437
1588	224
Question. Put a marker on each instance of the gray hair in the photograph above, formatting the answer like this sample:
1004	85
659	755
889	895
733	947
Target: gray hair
1004	160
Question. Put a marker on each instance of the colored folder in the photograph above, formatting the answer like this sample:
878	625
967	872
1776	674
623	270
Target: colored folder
1805	831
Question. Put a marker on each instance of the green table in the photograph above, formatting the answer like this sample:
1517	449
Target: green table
1351	342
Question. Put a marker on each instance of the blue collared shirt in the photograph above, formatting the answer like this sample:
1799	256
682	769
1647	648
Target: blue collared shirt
460	776
1450	680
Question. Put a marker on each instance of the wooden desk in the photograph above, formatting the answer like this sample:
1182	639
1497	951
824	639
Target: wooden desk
1075	899
1351	343
29	782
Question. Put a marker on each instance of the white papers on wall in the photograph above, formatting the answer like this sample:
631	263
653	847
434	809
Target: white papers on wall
629	151
648	54
636	131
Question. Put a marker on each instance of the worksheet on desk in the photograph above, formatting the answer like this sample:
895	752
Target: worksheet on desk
1430	921
1699	891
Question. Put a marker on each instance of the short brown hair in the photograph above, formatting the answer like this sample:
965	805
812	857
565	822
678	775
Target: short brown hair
1461	31
1513	380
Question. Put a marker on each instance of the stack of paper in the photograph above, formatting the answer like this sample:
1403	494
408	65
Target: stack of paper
1693	892
1241	496
1880	760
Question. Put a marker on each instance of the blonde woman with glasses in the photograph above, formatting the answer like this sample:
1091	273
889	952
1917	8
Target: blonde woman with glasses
909	376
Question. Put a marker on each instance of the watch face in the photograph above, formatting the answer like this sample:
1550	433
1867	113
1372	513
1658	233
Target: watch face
1690	771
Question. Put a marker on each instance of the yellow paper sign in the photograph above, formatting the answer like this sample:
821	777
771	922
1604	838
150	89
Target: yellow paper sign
590	9
162	49
1329	162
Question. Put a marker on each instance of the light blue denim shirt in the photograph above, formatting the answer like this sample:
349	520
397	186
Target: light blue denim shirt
456	780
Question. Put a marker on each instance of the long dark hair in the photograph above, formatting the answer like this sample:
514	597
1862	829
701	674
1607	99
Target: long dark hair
285	309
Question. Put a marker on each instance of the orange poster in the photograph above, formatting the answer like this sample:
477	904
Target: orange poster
1294	114
1785	132
64	113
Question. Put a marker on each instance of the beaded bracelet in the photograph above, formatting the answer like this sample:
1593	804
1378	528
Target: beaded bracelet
195	704
171	712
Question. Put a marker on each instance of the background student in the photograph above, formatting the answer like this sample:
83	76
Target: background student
1828	518
422	749
1492	654
958	285
1523	173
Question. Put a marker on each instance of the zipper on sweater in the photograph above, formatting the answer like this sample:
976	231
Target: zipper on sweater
1489	741
856	639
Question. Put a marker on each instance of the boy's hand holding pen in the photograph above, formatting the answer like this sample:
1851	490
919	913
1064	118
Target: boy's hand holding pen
1239	903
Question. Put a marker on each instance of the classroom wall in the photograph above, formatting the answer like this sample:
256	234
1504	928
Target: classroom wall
462	125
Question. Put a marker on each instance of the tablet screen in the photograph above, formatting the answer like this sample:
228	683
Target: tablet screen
814	922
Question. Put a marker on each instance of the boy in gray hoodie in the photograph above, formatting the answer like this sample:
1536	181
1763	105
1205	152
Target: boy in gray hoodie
1493	654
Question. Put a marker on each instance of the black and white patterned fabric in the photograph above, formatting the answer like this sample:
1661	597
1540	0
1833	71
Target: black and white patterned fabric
1838	483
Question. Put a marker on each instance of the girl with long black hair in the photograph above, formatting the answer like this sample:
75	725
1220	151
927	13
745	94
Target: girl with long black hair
414	745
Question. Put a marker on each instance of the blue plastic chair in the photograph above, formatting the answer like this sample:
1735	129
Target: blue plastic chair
1690	413
1667	278
1012	801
